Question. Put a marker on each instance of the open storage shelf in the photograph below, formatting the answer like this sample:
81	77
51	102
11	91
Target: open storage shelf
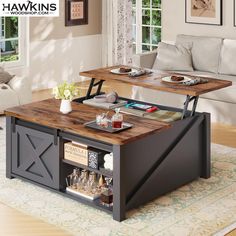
95	203
100	171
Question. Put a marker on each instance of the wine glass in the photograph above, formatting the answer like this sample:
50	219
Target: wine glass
74	177
92	183
84	179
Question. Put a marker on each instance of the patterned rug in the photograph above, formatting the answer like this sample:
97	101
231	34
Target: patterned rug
204	207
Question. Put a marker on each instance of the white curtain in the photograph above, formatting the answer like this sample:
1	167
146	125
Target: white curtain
117	32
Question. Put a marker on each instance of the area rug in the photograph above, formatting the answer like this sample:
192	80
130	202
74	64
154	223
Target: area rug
203	207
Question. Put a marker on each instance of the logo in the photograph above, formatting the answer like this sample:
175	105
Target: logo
48	8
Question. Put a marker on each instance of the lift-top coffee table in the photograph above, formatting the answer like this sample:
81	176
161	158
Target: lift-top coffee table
150	159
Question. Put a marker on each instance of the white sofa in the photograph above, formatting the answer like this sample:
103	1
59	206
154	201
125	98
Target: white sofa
16	92
214	57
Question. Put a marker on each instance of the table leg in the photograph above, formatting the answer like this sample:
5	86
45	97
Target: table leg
194	105
206	157
89	91
119	194
93	84
186	104
90	88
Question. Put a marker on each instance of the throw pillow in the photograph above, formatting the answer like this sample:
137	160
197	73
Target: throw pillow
173	57
5	77
205	51
227	57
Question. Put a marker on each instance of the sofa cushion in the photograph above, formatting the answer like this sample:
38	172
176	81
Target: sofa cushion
205	52
226	94
5	77
173	57
8	97
227	57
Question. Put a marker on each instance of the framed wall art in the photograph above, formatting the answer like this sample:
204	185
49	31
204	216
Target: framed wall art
76	12
207	12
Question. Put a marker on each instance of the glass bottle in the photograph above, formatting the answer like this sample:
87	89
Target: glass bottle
117	119
107	193
101	181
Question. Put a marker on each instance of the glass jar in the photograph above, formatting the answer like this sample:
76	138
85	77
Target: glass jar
106	197
117	119
104	122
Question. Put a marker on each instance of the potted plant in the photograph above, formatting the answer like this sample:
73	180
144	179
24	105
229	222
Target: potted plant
66	92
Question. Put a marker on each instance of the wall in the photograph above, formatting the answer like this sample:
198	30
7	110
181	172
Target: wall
173	21
58	53
46	28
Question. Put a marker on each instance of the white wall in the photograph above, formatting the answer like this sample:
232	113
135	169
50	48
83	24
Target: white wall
173	21
53	61
58	53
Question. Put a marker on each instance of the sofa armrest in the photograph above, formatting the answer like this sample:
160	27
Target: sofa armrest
22	86
145	60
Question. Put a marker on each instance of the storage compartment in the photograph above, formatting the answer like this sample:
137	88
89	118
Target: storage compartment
84	189
85	181
35	156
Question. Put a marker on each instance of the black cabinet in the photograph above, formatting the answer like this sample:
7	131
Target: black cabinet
35	156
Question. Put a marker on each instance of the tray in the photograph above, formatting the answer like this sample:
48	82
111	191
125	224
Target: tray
109	129
82	193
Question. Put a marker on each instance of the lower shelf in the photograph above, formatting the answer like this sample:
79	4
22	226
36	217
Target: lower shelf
95	203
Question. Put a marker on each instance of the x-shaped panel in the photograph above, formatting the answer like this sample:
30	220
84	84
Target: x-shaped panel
35	154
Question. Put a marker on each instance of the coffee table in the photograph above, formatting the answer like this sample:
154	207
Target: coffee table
150	159
153	81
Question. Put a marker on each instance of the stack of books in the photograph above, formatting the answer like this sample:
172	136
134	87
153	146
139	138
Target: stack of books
76	152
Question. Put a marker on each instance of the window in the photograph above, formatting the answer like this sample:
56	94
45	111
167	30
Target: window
146	25
13	40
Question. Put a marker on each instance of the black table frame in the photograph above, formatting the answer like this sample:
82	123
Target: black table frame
143	169
99	84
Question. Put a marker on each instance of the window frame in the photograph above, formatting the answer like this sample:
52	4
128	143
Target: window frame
23	42
138	25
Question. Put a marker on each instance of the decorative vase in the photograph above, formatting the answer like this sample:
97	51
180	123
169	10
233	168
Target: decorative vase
65	107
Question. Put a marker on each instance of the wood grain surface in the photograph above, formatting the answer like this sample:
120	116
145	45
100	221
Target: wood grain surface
153	81
47	113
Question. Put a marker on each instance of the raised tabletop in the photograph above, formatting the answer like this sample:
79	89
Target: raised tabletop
47	113
153	81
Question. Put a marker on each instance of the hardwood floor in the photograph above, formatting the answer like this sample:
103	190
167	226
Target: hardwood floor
15	223
232	233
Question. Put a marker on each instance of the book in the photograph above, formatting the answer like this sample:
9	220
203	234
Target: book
79	144
106	105
76	153
131	111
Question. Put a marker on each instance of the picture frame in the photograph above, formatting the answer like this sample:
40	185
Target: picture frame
205	12
76	12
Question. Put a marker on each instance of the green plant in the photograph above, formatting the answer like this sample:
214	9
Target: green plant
66	91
